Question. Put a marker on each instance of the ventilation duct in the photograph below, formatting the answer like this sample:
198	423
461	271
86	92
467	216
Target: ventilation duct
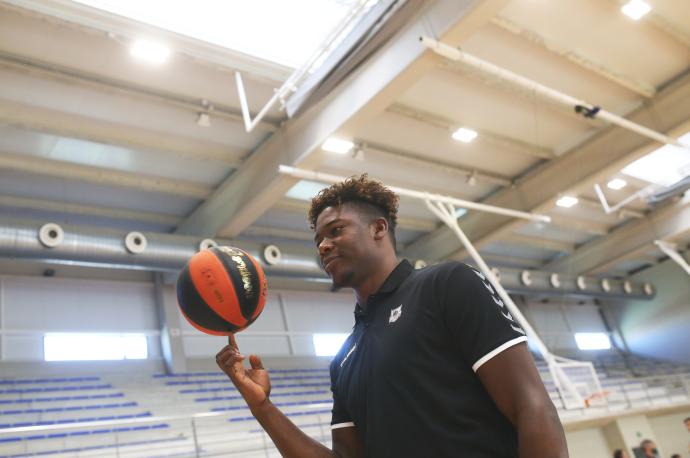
169	253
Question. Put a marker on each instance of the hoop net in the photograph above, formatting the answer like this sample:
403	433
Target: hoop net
577	383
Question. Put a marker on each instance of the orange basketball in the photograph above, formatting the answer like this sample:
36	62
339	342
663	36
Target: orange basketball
221	290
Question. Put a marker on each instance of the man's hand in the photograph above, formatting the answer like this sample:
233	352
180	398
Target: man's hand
253	384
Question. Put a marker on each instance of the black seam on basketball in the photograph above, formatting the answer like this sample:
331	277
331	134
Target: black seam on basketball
247	304
196	309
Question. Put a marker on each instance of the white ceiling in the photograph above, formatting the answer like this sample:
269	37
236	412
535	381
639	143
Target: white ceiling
90	136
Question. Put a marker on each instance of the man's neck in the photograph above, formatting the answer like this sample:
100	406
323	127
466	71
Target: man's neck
373	282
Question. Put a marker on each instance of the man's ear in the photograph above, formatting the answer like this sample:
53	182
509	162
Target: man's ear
379	228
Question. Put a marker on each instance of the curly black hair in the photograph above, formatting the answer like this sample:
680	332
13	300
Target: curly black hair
369	197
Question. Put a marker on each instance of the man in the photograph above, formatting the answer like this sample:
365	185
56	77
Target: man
648	447
435	365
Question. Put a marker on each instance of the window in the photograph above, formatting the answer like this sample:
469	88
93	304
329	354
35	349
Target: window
664	166
285	32
328	344
592	341
305	190
94	347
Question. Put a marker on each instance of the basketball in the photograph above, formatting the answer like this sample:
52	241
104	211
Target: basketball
221	290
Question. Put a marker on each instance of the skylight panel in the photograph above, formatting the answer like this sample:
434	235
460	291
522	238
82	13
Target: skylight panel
94	347
305	190
275	30
663	166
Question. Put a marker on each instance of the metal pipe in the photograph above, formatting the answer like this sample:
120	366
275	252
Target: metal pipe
291	83
588	109
328	178
447	215
168	253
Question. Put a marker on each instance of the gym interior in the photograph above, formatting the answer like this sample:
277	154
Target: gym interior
546	143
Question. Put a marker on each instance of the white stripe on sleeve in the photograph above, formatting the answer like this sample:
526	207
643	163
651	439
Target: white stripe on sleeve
496	351
342	425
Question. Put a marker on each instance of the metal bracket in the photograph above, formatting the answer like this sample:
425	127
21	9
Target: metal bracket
670	250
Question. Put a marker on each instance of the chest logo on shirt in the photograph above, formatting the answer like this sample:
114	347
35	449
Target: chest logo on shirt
395	314
348	354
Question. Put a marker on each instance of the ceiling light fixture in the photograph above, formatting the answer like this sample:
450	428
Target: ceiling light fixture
464	135
635	9
472	178
204	119
566	201
617	184
150	51
336	145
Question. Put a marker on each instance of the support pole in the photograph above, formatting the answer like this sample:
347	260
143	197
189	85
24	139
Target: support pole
290	85
328	178
444	208
446	213
670	250
580	106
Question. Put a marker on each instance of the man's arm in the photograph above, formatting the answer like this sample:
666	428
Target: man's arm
513	382
254	385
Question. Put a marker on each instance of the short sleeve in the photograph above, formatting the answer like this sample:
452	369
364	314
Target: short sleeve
479	321
340	417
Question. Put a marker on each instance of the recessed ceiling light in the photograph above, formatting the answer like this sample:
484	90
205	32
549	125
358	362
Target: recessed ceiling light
153	52
336	145
635	9
464	134
566	201
664	166
617	184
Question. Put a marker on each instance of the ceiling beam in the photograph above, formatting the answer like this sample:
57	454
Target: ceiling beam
88	210
463	73
508	261
278	232
432	165
663	24
407	223
536	242
74	76
257	185
85	18
594	160
485	136
70	125
638	253
622	213
668	221
639	87
102	176
577	225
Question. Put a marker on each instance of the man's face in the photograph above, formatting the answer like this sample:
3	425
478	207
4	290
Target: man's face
346	245
687	425
649	449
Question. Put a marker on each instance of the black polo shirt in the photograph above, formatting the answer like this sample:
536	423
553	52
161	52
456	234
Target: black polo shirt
405	377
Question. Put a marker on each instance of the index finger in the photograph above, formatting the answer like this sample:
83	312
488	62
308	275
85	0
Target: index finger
232	341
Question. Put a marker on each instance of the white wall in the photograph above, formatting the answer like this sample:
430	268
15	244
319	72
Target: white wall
284	328
32	306
556	321
659	328
588	443
671	433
